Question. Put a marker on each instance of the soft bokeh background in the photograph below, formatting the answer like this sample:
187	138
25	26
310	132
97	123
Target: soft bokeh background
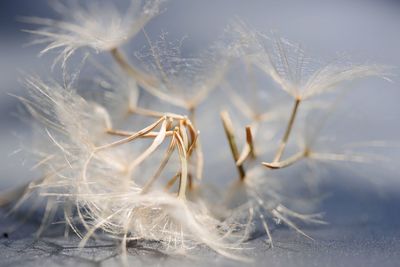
363	214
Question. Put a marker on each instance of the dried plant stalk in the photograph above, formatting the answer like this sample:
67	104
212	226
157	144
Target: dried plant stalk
229	132
282	145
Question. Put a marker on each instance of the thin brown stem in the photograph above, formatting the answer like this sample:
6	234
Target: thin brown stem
285	163
153	113
227	123
282	146
127	133
133	136
250	141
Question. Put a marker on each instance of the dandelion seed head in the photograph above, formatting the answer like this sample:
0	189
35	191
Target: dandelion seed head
97	25
288	66
105	186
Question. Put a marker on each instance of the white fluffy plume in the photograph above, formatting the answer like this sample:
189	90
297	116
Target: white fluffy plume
98	180
98	25
287	64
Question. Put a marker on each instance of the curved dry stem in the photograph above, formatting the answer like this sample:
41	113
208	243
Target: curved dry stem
164	162
248	150
285	163
156	143
134	136
184	170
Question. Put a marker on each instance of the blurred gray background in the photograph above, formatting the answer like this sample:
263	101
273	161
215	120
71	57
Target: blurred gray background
367	30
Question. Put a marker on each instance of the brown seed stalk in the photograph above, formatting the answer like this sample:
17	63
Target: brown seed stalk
282	146
227	124
285	163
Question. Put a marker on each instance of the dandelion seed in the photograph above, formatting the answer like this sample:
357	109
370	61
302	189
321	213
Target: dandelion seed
188	79
286	64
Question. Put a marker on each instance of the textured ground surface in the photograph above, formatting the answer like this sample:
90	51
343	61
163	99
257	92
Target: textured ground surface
367	245
364	231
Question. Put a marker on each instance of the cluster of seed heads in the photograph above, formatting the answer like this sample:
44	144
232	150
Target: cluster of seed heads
116	169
